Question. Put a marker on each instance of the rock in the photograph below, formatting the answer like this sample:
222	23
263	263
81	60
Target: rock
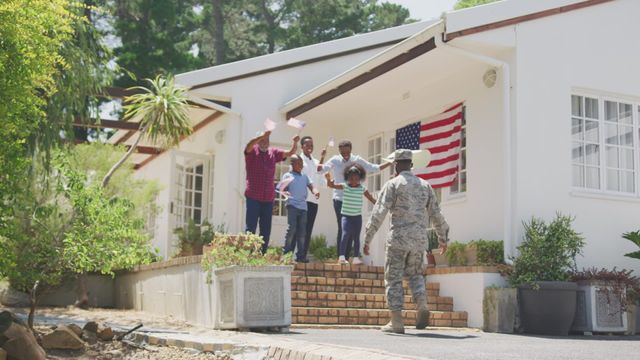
91	326
3	354
89	337
105	333
14	298
19	341
62	338
76	329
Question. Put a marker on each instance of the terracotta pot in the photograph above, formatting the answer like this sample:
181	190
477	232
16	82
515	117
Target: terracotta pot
431	260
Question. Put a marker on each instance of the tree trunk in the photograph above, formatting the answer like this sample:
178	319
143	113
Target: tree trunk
115	167
218	31
33	302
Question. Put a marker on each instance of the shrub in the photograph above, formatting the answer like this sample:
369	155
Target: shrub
243	250
490	252
319	249
548	251
455	254
634	237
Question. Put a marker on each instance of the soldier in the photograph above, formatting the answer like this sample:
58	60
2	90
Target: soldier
412	203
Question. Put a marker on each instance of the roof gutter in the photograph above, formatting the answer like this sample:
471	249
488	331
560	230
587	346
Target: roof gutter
510	196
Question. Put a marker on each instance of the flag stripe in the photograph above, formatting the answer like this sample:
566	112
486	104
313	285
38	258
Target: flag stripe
441	135
445	160
439	174
443	148
442	122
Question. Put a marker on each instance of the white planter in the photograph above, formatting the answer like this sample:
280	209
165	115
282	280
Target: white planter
253	296
596	313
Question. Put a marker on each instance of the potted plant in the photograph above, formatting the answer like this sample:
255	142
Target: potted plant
432	245
485	252
541	273
456	254
602	301
253	289
634	313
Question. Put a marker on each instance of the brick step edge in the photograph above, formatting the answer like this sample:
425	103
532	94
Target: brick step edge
306	295
350	289
373	317
342	281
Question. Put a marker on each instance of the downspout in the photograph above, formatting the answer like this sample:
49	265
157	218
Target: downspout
509	199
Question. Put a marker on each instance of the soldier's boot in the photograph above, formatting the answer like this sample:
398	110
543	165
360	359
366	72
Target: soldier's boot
422	318
396	324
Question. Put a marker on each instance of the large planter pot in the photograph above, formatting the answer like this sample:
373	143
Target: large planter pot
548	308
499	309
596	311
253	297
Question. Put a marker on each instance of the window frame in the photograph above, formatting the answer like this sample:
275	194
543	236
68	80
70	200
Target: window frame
279	211
446	195
602	144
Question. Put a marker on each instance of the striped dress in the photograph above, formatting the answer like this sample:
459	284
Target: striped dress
352	200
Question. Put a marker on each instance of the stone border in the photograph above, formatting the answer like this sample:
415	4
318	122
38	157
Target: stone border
462	270
265	268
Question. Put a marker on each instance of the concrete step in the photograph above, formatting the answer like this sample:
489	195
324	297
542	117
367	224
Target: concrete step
345	316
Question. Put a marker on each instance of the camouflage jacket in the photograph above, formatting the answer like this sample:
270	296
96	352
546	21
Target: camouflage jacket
412	203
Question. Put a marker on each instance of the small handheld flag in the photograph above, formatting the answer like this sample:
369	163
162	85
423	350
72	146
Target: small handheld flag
270	125
331	142
295	123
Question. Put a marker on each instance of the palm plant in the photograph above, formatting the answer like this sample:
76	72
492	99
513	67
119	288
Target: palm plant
163	112
634	237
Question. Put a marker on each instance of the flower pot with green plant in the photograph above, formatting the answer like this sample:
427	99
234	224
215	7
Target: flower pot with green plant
485	252
320	251
542	274
603	299
192	237
252	289
432	245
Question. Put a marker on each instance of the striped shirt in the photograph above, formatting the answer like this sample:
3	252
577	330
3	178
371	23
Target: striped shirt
352	200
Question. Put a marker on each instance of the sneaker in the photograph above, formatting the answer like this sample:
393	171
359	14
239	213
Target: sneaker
356	261
342	260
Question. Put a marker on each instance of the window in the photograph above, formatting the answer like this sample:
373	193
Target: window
604	145
374	156
193	191
280	203
459	185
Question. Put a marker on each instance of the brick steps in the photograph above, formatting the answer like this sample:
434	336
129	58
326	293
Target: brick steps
334	294
332	316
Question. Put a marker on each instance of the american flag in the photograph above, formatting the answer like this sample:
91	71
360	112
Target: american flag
441	135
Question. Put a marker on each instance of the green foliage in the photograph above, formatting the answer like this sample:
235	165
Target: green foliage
463	4
634	237
620	285
243	250
192	237
319	249
433	244
548	251
103	235
489	252
455	254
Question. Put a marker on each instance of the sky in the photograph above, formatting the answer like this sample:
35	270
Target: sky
425	9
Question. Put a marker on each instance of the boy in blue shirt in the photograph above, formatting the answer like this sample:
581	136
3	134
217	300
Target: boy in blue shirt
295	184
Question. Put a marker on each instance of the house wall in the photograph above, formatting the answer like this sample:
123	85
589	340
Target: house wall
593	49
379	108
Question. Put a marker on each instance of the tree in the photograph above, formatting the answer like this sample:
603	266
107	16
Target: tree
463	4
156	37
65	224
163	112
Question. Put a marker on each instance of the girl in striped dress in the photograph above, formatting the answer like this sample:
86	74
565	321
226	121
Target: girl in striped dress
351	210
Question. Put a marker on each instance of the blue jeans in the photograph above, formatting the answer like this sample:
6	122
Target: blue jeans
351	226
312	211
296	231
262	211
337	207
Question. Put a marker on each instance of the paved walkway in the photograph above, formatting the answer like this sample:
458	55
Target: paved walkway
354	344
472	344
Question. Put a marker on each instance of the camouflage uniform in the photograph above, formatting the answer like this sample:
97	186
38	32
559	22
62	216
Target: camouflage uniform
412	203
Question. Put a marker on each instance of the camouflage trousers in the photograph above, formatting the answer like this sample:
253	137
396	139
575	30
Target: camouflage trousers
397	264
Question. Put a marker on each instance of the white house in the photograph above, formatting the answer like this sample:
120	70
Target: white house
552	114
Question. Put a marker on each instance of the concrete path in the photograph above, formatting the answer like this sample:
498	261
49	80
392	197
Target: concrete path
472	344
